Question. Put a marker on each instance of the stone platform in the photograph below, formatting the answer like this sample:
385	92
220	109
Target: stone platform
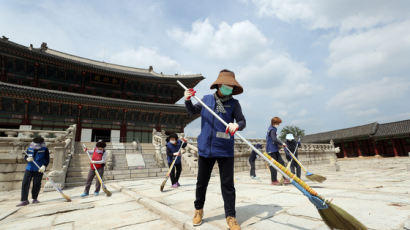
374	190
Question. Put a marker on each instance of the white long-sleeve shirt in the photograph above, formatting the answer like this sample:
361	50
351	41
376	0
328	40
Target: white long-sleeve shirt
102	161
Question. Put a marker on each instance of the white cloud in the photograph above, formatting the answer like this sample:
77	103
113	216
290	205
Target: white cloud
379	52
343	14
144	57
370	99
224	42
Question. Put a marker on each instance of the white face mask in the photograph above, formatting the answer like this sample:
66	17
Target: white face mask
276	126
173	142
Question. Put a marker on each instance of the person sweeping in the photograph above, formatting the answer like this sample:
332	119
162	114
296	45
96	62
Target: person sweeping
173	147
98	160
291	146
272	148
216	142
252	159
38	152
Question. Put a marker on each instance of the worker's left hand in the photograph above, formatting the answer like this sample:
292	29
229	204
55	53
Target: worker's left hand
42	169
94	162
232	128
176	154
184	140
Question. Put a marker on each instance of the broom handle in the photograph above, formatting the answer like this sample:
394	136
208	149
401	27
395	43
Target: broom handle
95	169
173	162
297	161
45	174
282	170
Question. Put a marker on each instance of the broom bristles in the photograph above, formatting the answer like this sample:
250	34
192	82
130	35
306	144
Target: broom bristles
337	218
163	185
316	177
107	192
66	197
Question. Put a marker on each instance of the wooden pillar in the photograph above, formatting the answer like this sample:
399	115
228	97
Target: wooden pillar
359	151
35	82
26	120
376	150
343	149
123	129
3	69
79	126
396	153
82	82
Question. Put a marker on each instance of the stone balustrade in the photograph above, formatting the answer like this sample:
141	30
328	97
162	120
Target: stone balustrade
61	146
309	154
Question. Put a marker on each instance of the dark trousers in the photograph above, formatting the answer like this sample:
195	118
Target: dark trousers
226	171
25	187
90	178
175	176
295	167
273	172
252	163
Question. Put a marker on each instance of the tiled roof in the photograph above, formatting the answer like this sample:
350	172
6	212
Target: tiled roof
393	129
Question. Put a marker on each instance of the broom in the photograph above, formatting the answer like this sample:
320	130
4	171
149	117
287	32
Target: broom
332	215
169	171
66	197
309	175
107	192
281	180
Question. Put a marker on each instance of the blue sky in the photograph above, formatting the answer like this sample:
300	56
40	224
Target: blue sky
320	65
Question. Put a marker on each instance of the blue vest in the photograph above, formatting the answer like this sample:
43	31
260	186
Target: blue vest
174	148
39	158
270	146
213	141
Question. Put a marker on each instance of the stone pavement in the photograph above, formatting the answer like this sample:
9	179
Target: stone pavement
375	191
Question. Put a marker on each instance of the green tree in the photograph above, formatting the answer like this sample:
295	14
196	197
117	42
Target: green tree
296	131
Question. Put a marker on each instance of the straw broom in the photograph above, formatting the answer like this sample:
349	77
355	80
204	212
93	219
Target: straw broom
169	171
332	215
97	174
66	197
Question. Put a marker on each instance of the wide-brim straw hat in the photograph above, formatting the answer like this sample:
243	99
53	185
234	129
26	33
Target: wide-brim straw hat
228	78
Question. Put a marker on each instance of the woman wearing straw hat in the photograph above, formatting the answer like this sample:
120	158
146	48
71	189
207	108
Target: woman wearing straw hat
216	142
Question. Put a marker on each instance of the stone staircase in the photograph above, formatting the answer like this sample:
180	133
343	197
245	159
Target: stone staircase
79	165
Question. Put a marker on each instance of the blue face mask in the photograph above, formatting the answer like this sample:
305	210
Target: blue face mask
226	90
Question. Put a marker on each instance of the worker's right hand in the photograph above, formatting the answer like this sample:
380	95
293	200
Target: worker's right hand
176	154
189	93
30	159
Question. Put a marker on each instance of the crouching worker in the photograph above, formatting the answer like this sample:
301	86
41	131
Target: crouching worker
98	159
173	147
291	143
38	152
216	142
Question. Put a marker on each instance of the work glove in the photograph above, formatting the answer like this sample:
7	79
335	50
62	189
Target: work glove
176	154
189	93
94	162
232	128
184	140
42	169
30	159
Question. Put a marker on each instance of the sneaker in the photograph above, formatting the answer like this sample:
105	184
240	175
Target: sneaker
175	185
254	177
96	193
275	182
35	201
232	223
178	184
23	203
197	220
84	194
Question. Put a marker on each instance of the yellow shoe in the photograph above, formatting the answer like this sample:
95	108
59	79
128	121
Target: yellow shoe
232	223
198	217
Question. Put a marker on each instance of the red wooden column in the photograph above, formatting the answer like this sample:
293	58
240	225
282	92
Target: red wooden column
359	151
79	127
376	150
344	150
123	129
396	153
26	120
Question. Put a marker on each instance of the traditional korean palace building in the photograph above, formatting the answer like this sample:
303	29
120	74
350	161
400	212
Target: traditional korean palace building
388	139
41	88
